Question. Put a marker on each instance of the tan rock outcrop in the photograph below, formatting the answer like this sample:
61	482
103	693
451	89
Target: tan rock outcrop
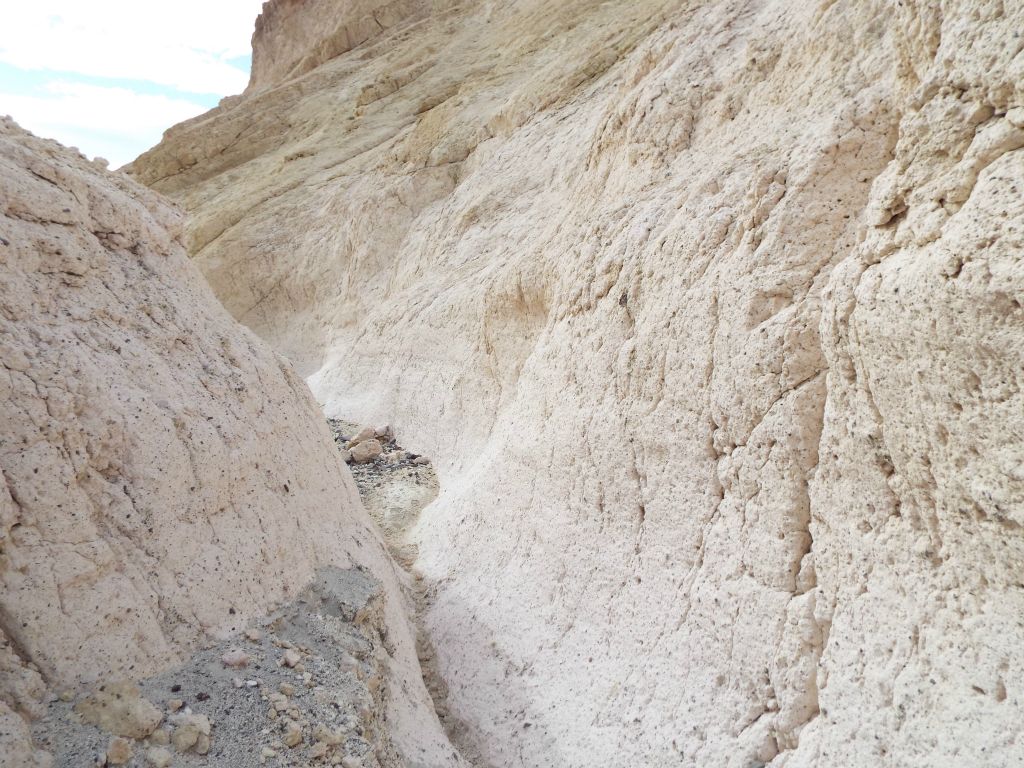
711	316
166	477
293	37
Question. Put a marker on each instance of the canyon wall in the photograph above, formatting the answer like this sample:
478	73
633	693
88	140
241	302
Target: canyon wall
710	314
295	36
167	478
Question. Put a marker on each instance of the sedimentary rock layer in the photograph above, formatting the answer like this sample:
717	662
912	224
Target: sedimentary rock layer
166	476
711	316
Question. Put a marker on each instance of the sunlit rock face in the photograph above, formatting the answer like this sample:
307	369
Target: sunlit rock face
293	37
711	317
166	476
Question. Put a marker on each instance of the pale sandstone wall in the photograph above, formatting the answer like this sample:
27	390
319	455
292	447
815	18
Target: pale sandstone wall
711	316
166	476
294	36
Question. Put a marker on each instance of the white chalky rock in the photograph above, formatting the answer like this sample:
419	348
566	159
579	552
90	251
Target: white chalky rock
710	315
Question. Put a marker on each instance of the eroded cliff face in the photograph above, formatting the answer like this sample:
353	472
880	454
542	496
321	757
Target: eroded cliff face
293	37
167	478
711	317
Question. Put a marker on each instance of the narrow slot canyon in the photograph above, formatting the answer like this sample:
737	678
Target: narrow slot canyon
533	384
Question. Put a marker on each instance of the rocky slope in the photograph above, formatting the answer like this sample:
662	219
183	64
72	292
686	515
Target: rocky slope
710	314
167	478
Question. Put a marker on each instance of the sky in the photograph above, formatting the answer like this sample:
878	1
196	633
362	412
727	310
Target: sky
110	76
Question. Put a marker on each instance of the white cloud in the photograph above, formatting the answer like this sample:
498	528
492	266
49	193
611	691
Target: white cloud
114	123
183	50
184	45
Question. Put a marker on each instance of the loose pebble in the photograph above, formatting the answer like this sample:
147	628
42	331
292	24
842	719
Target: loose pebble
191	733
236	658
322	733
160	737
318	751
292	734
119	751
158	757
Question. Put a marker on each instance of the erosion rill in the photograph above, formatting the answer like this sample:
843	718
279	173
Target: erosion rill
709	314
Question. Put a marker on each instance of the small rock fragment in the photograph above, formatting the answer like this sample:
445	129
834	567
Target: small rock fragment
253	634
160	737
292	734
287	689
421	461
364	434
236	658
202	745
351	762
366	452
333	738
290	658
318	751
267	752
119	751
175	704
191	732
118	708
158	757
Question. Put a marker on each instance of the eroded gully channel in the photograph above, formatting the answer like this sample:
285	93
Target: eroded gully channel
395	488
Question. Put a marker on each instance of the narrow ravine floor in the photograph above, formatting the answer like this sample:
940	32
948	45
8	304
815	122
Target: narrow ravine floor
395	487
